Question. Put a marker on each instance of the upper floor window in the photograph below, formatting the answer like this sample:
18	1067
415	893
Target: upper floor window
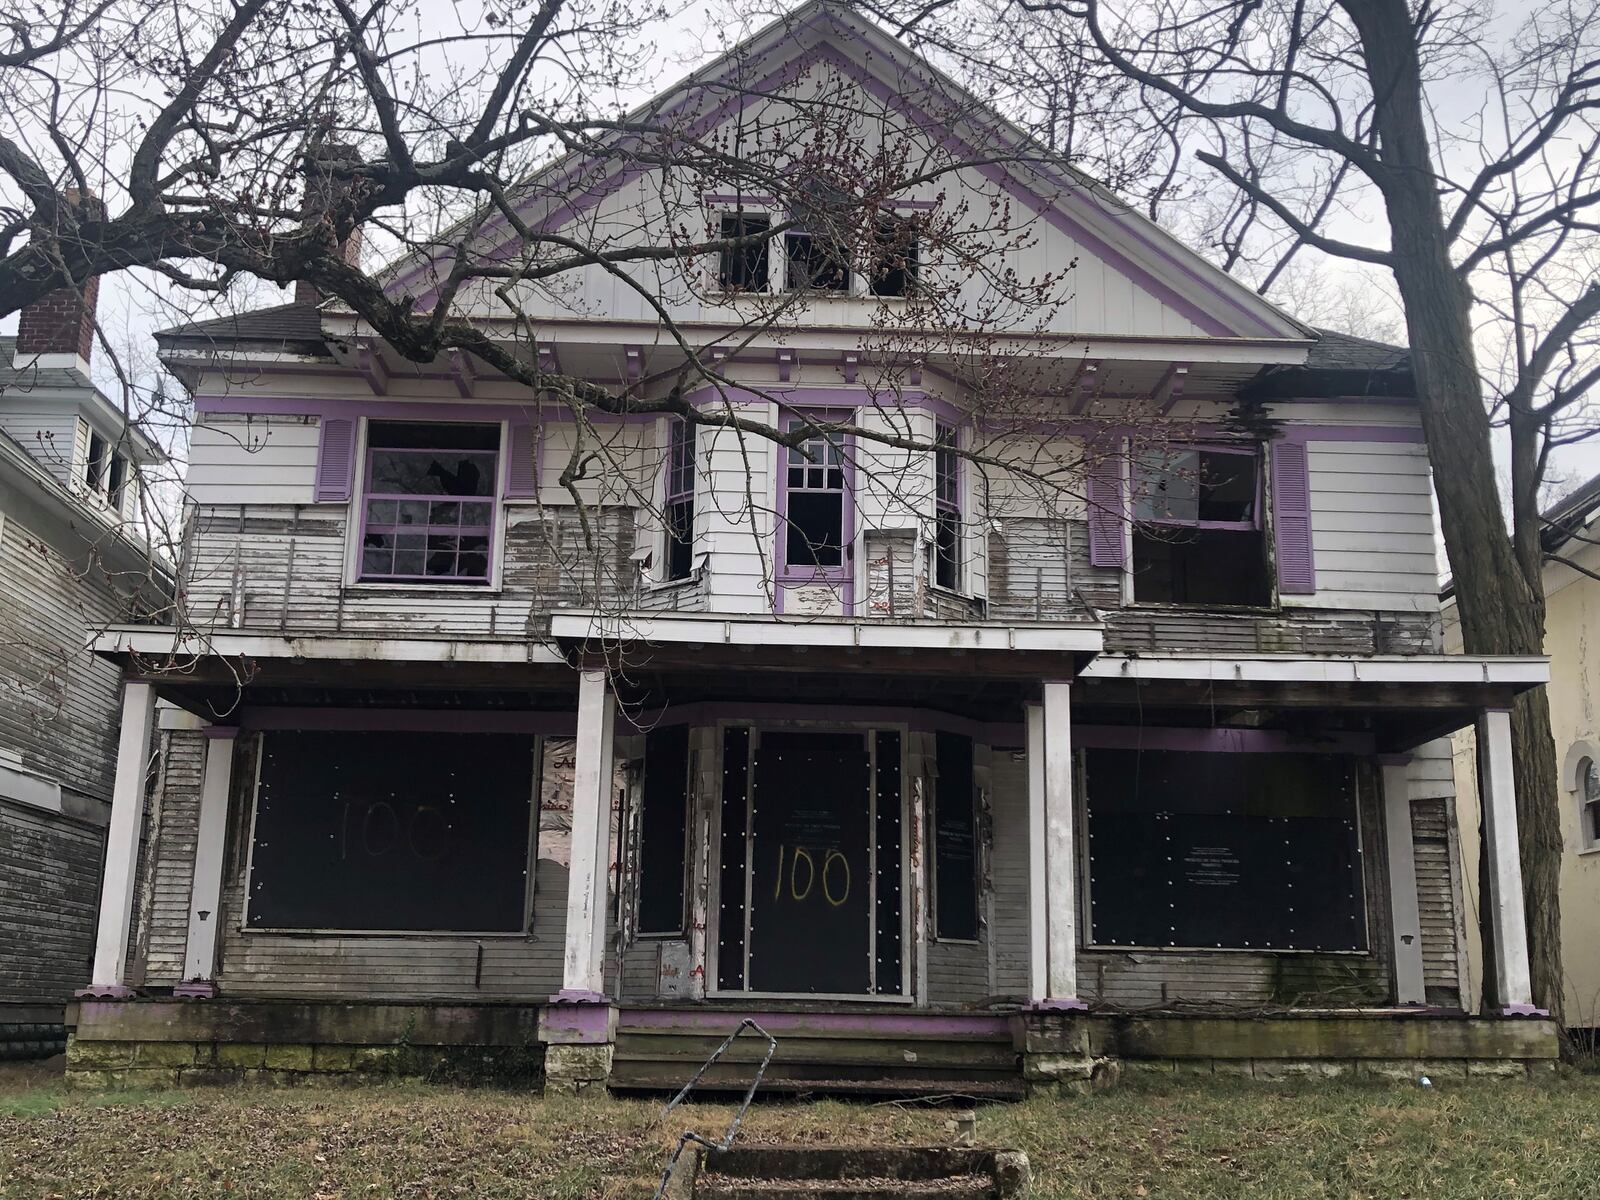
1197	531
679	500
105	472
816	262
744	267
814	505
894	258
947	509
1589	804
428	508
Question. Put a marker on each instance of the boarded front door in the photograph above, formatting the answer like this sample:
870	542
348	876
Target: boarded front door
811	865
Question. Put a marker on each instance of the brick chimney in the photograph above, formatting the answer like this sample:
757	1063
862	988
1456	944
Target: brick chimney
59	323
321	192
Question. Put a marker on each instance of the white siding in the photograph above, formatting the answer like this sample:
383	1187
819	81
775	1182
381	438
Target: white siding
734	524
1372	531
49	432
252	460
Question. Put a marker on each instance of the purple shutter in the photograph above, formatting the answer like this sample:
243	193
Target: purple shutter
1291	518
336	460
522	473
1107	541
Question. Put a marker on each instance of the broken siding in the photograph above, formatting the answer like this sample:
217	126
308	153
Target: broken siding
49	888
171	862
58	703
1431	775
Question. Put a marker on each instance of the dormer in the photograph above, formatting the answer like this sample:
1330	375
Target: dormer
51	407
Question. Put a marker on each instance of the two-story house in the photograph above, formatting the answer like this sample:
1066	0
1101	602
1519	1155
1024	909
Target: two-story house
73	563
1001	710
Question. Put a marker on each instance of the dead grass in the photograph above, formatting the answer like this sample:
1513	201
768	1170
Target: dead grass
1189	1139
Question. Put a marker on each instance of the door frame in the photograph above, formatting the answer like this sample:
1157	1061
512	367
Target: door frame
911	939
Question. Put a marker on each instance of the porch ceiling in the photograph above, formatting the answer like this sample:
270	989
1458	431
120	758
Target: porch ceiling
1403	700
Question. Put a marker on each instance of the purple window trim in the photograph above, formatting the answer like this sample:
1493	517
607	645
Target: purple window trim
1241	451
1106	498
947	481
428	530
841	577
1291	518
336	460
524	442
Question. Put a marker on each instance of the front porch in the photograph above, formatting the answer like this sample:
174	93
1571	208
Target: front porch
943	862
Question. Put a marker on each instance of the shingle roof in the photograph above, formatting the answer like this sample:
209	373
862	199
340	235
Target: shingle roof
27	378
1340	364
283	323
1568	516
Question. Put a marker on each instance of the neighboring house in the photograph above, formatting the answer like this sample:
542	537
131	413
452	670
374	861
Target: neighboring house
939	778
1572	622
71	566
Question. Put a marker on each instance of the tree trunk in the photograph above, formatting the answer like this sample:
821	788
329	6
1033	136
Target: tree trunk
1501	610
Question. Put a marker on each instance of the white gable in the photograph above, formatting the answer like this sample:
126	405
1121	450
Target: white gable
886	116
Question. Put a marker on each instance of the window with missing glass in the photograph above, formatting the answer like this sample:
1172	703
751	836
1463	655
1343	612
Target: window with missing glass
679	500
895	257
947	509
1197	530
428	505
816	263
743	263
814	497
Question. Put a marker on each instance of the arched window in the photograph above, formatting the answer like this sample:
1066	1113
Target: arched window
1588	790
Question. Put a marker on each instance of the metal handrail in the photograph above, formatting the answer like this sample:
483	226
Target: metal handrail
738	1117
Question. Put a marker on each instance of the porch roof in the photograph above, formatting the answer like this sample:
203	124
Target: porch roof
1035	650
1404	700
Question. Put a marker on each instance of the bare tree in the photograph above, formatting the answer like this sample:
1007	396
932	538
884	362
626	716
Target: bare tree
1478	147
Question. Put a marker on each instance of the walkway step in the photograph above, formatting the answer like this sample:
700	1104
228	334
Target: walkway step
960	1187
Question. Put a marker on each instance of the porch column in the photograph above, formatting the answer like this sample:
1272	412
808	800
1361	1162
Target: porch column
582	976
1497	794
1404	914
122	846
205	892
1052	876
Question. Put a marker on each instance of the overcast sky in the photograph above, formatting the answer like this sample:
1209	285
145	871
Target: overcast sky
133	305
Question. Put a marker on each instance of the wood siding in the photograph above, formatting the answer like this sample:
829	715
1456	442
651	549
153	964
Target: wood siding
49	888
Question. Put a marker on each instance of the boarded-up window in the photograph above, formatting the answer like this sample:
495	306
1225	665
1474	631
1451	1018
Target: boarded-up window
663	831
1236	851
955	842
392	831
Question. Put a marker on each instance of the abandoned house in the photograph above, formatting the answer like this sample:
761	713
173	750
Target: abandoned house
71	565
1071	698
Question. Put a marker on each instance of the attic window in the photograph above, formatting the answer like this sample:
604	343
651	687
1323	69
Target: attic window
894	258
105	473
1197	536
817	262
743	267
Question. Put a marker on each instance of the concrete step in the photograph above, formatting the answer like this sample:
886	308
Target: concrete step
960	1187
817	1079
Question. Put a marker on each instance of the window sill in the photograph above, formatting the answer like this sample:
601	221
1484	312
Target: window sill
374	588
1241	610
669	585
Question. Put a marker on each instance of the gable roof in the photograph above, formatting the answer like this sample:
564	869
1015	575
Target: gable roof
828	30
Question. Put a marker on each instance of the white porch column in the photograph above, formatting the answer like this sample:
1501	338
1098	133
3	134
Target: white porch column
122	845
1052	874
1497	794
1404	914
582	976
205	893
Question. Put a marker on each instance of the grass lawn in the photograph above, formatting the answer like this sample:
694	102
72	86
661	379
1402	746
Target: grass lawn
1182	1139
